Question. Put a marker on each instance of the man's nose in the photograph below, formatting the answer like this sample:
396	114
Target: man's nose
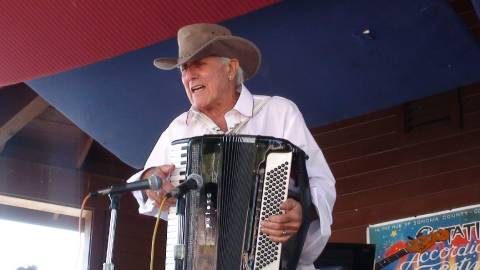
189	74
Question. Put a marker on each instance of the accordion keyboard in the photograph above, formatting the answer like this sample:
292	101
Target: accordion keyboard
178	157
275	191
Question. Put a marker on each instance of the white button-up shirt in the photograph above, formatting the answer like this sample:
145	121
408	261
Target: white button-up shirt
278	117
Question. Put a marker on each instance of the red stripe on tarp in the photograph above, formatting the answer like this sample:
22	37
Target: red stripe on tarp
39	38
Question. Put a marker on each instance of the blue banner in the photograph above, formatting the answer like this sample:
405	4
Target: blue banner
445	240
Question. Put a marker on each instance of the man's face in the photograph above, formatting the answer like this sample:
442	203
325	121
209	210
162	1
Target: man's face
207	84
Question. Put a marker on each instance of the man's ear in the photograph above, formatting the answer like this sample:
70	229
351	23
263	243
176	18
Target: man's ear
233	67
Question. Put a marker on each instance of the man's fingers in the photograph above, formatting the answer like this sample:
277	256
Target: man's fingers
292	226
289	204
167	186
163	171
292	215
167	169
277	233
155	196
280	236
283	218
272	226
280	228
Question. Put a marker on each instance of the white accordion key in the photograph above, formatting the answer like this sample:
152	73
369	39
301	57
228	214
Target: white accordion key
172	238
178	157
275	191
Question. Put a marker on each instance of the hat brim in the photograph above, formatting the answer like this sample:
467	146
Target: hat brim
245	51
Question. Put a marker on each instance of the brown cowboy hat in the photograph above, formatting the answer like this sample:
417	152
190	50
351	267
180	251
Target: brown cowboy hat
200	40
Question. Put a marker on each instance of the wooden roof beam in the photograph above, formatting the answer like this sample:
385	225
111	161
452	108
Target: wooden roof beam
18	106
82	150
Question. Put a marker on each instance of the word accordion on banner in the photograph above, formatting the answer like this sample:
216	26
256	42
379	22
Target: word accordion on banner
445	240
244	180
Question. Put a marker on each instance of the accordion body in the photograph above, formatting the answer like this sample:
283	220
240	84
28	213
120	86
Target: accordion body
245	179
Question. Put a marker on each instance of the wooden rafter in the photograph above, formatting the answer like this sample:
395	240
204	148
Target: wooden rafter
20	106
82	150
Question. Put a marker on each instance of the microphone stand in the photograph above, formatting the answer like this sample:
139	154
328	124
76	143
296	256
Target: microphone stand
114	201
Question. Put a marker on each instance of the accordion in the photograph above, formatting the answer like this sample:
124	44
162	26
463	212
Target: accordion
245	179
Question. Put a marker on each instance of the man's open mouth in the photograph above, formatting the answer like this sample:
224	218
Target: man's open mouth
197	88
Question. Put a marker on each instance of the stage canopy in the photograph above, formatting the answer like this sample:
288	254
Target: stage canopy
92	60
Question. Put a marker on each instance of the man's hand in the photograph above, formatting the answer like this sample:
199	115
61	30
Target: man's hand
280	228
163	172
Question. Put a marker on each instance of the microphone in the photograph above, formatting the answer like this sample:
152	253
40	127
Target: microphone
153	182
193	181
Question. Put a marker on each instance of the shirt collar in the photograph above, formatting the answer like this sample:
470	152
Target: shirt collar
244	103
244	106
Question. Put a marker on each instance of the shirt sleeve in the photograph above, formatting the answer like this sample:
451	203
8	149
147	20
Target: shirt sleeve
158	156
322	185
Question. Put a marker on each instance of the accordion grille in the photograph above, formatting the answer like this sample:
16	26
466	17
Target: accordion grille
193	201
234	197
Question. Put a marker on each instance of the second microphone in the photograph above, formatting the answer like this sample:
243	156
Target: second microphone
194	181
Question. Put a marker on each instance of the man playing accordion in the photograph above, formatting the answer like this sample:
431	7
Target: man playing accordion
214	65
